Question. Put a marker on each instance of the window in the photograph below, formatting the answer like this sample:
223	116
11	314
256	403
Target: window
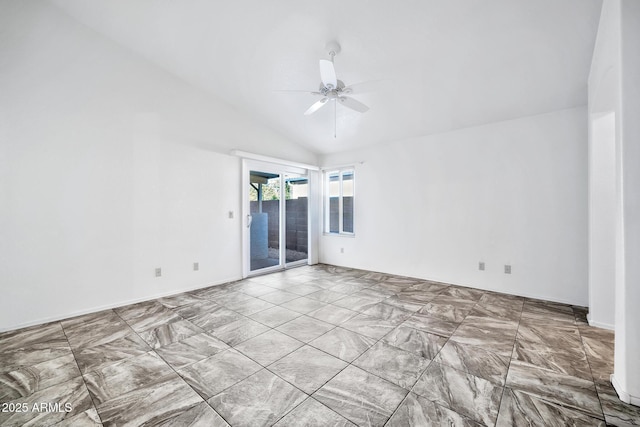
338	210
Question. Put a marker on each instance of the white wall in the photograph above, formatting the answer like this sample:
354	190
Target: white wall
602	219
603	154
109	168
626	377
513	192
614	91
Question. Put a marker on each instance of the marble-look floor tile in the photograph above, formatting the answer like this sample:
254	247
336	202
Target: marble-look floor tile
322	281
215	318
88	418
249	307
216	373
305	328
420	343
28	380
102	355
307	368
348	288
200	415
34	337
193	349
444	311
145	316
461	392
229	299
374	293
416	411
343	344
496	311
615	411
91	330
477	361
303	289
505	300
303	305
544	310
397	366
388	312
192	311
431	287
326	295
518	408
360	397
369	326
180	300
416	296
463	293
72	392
211	291
566	390
268	347
312	413
333	314
599	348
25	357
567	359
403	304
149	405
499	341
128	375
275	316
357	303
461	303
259	400
431	324
278	296
239	331
168	333
255	289
549	333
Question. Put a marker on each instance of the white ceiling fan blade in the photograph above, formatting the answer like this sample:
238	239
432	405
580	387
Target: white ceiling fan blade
297	91
316	106
328	73
353	104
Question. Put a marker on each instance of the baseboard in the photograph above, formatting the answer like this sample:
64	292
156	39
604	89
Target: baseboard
114	305
622	394
599	324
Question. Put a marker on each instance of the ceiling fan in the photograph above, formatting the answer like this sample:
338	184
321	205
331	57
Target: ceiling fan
332	89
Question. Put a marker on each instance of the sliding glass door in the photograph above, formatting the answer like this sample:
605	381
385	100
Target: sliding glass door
277	217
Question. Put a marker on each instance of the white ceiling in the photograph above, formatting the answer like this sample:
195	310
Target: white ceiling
444	64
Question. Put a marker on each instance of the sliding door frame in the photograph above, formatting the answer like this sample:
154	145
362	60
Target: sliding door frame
249	165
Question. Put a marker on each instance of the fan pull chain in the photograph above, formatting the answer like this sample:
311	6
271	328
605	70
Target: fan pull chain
335	119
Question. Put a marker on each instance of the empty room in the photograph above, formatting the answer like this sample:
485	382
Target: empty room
294	213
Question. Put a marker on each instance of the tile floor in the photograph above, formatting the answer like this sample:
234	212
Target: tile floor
315	346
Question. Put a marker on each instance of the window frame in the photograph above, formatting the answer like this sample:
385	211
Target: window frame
340	172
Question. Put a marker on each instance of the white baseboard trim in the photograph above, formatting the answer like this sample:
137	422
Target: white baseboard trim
599	324
622	394
114	305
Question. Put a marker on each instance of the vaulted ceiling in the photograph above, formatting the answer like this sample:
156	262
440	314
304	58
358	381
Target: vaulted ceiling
436	65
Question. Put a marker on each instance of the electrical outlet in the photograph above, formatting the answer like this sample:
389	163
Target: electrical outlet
230	214
481	266
507	269
158	272
341	250
196	266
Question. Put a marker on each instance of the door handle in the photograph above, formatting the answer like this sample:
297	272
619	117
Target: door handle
249	221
